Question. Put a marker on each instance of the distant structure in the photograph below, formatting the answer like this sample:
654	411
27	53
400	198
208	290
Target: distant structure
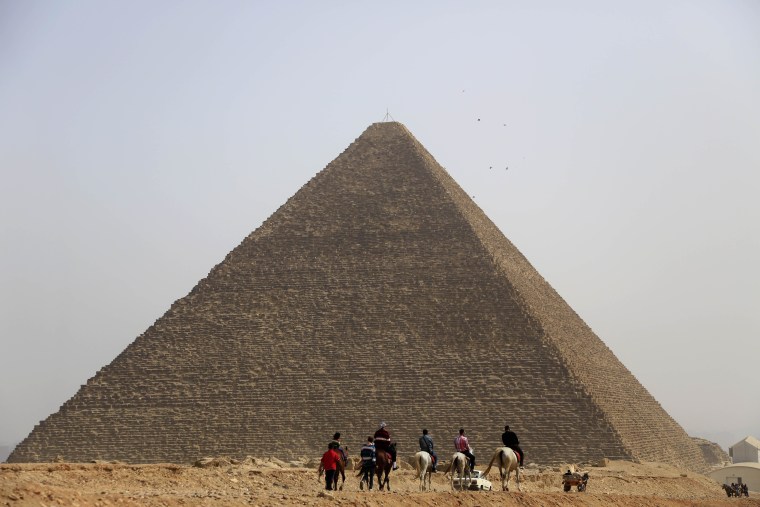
712	453
745	451
379	292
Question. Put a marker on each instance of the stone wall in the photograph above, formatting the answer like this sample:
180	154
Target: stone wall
378	292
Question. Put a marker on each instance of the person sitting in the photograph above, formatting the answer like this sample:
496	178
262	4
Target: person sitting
336	444
509	439
383	442
426	444
369	458
462	444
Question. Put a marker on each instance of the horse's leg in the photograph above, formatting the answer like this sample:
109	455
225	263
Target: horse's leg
517	475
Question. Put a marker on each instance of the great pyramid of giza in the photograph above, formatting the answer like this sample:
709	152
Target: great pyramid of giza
378	292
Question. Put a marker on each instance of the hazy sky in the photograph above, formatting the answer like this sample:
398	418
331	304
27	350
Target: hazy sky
141	141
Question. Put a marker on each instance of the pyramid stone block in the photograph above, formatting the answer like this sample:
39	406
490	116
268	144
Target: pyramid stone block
379	291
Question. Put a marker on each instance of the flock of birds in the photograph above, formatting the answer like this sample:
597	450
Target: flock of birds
389	117
491	167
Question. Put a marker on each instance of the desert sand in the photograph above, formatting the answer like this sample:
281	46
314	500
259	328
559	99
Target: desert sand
272	482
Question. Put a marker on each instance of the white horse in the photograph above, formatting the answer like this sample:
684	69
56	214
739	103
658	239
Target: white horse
461	465
423	463
507	461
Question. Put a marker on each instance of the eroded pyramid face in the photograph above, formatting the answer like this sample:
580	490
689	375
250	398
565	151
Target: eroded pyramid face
378	292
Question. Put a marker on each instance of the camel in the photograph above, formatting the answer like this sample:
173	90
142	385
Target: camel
507	461
461	465
423	463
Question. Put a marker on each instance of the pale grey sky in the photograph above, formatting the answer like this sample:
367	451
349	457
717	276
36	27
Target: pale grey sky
141	141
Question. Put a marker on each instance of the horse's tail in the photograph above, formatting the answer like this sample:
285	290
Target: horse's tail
497	453
448	467
417	465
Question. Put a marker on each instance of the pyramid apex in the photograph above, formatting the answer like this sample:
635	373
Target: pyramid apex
388	125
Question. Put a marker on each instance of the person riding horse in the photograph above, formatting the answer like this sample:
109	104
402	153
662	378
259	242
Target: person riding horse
383	443
426	444
336	444
462	444
509	439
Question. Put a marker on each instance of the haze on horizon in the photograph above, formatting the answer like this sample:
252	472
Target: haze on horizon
616	145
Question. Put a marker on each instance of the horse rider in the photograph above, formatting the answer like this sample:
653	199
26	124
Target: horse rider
426	444
462	444
509	439
383	442
369	459
336	444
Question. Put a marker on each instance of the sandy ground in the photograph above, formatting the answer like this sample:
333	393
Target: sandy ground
272	482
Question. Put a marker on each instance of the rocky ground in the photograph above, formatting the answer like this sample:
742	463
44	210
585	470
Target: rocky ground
271	482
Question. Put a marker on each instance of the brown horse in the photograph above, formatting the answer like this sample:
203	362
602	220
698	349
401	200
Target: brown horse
384	465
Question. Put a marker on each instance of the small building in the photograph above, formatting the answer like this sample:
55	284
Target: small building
745	451
742	473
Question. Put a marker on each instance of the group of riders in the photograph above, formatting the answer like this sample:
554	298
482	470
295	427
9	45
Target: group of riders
736	489
381	442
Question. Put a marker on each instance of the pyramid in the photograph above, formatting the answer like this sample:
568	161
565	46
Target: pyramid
378	292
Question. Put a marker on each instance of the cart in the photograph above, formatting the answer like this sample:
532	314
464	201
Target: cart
570	479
